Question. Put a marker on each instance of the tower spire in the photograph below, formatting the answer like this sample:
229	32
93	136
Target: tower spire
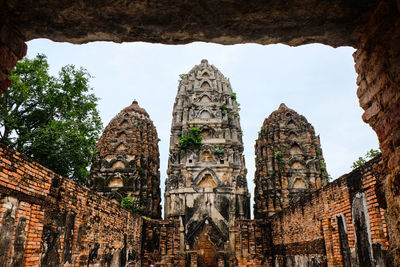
206	186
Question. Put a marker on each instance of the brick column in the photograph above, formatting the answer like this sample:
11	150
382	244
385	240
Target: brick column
378	67
12	49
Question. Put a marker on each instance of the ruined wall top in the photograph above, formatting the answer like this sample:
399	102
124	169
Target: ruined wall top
127	162
289	161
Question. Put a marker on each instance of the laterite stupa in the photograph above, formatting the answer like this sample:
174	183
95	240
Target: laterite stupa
127	160
289	162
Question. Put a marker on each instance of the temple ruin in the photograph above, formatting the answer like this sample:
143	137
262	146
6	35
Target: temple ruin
289	162
47	220
206	188
301	219
127	161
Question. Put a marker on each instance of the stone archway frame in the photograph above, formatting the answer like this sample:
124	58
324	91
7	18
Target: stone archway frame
190	236
200	74
293	180
365	25
208	127
117	175
293	160
293	143
206	109
201	174
200	97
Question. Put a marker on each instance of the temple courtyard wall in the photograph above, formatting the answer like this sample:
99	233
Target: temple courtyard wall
48	220
341	224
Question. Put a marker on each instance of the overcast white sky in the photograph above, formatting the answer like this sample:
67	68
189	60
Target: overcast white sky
316	81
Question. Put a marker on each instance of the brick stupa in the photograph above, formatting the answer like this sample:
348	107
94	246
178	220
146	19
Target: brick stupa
289	162
127	162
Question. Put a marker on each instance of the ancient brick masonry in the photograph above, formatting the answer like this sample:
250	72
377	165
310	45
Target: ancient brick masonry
289	162
12	48
48	220
206	188
340	224
377	64
127	162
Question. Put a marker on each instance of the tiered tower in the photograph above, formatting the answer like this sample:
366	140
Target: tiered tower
206	186
127	160
289	162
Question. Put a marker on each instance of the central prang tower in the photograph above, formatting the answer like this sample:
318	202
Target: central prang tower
206	186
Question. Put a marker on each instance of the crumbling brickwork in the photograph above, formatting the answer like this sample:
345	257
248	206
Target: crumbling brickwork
341	224
372	27
127	162
289	162
48	220
12	49
161	243
377	64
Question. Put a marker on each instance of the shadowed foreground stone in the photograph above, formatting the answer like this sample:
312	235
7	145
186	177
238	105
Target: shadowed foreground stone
334	23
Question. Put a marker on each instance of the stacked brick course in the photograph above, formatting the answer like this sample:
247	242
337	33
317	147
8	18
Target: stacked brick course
322	228
12	49
377	64
48	220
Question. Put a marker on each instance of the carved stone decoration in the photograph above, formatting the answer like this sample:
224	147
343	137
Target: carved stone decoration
210	193
127	160
289	162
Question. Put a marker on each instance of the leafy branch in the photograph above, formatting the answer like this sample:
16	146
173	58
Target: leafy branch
372	153
217	151
224	109
181	77
279	159
193	140
130	204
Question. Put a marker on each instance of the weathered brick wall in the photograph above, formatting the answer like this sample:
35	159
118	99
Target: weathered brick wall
252	241
378	66
48	220
308	233
311	226
161	243
12	48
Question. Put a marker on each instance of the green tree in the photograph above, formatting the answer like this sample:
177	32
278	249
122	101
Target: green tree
372	153
53	120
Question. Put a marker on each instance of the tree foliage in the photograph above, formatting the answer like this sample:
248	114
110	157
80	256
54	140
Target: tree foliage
53	120
372	153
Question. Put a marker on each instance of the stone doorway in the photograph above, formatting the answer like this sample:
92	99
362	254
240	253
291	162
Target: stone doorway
206	249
